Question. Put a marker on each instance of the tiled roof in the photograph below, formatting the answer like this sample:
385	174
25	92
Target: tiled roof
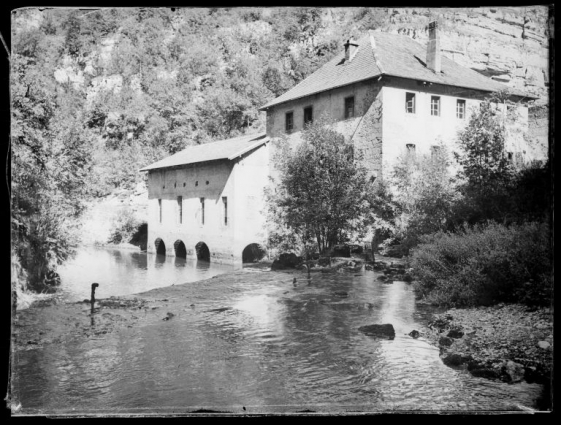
224	149
393	55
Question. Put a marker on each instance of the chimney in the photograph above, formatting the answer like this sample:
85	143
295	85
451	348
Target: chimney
350	49
433	48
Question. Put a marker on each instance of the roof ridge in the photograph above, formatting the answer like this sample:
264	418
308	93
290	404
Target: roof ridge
373	45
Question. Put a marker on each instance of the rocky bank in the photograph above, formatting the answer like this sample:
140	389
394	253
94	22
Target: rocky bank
508	342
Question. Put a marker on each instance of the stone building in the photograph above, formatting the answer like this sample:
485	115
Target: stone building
385	92
206	201
390	95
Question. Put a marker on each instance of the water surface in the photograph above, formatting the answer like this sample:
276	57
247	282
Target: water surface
250	340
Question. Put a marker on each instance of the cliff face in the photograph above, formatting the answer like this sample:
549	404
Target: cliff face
510	45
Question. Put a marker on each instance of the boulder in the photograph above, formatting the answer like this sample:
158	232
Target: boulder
286	261
341	294
445	341
383	278
515	371
455	333
380	331
407	278
414	334
452	359
290	259
368	267
484	373
277	265
543	345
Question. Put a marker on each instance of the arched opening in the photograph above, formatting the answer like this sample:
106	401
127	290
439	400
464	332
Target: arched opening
180	250
253	253
203	252
160	247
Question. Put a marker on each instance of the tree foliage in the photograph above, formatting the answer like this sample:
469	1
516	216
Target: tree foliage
323	191
425	195
98	94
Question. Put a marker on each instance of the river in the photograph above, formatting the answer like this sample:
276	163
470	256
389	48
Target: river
244	342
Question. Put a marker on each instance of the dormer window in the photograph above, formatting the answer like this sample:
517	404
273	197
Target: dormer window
349	107
308	115
410	103
289	122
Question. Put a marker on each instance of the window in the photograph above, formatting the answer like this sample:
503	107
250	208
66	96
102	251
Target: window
160	209
435	106
460	109
202	211
225	202
350	107
180	208
410	103
308	115
289	122
410	148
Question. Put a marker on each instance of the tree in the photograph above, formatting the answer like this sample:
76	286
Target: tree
322	194
488	173
425	194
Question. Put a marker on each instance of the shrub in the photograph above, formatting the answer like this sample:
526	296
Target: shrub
485	264
125	226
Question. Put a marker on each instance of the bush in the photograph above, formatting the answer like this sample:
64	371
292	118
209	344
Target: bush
485	264
125	226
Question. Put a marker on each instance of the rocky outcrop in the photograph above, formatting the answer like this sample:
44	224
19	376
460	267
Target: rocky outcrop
508	44
506	342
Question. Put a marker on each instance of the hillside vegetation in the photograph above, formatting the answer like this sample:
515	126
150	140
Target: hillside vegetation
98	94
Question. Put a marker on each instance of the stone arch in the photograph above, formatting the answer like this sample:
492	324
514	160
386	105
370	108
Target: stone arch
160	247
253	253
180	249
203	253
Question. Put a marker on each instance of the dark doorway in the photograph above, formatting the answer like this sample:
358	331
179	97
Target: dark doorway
180	250
160	247
253	253
203	252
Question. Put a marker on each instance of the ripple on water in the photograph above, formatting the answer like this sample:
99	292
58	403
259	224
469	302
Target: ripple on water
261	342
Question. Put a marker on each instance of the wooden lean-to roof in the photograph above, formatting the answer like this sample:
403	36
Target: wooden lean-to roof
221	150
394	55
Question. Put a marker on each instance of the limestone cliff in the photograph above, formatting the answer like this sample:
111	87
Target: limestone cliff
507	44
510	45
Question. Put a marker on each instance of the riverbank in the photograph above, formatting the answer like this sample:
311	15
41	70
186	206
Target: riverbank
507	342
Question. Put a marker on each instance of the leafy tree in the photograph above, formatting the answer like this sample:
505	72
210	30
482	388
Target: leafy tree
425	193
322	194
50	168
488	173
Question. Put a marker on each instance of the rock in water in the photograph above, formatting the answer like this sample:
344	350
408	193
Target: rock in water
414	334
515	371
380	331
452	359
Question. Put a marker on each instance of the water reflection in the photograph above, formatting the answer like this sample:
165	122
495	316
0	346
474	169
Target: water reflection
262	343
129	272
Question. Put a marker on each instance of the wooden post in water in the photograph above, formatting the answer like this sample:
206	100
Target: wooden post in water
92	301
